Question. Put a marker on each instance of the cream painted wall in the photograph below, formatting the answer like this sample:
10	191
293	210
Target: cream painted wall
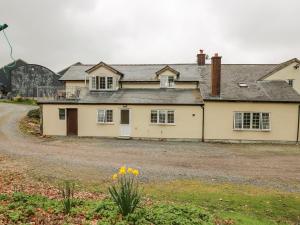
219	121
79	83
188	121
181	85
287	73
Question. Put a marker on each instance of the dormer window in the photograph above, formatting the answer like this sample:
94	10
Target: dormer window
291	82
167	81
101	83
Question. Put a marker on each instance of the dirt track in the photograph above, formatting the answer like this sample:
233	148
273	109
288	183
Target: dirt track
94	158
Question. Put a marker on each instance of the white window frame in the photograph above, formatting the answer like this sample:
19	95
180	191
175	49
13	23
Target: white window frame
165	112
105	116
251	121
93	85
165	83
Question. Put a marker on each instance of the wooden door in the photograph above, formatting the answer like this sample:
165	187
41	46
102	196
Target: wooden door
72	122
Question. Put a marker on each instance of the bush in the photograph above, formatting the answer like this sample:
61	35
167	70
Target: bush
34	113
125	192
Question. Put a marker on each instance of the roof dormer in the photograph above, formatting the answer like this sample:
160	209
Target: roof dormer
103	77
167	76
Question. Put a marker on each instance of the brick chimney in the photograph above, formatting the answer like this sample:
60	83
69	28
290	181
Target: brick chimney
201	58
215	75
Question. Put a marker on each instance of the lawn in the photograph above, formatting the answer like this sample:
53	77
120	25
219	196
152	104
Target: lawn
185	202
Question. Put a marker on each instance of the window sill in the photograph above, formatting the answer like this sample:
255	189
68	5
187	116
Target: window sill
163	124
106	123
103	90
253	130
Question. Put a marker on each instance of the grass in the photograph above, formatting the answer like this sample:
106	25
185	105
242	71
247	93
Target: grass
19	101
226	204
244	204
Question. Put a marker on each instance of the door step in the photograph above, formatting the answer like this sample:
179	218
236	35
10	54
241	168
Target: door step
124	137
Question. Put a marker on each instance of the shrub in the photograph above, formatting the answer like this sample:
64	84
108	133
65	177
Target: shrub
125	192
67	192
34	113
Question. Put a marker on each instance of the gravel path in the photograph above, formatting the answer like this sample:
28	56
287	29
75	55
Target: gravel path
95	158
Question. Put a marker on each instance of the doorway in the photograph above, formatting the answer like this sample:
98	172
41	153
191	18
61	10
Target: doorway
125	128
72	122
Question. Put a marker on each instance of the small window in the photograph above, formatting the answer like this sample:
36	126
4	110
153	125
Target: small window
291	82
170	116
102	83
62	114
153	116
93	83
251	121
109	82
167	81
105	116
243	85
162	116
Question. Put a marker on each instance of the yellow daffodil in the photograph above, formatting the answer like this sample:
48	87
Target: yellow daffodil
129	170
122	170
135	172
115	176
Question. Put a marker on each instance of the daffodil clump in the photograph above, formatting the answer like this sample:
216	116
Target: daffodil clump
123	171
125	192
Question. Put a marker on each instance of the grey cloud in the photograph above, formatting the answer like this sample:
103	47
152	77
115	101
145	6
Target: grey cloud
58	33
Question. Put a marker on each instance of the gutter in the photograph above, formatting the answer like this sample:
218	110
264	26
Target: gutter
297	139
203	122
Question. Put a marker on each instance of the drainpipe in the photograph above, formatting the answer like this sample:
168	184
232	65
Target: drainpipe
203	121
297	140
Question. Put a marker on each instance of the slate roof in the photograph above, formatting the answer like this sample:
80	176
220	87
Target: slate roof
137	72
257	91
231	75
138	96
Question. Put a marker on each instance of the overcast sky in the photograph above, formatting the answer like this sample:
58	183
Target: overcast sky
57	33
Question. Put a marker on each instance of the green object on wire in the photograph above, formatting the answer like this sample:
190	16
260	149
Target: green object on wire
4	26
11	65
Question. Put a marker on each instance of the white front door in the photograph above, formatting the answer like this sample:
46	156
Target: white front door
125	128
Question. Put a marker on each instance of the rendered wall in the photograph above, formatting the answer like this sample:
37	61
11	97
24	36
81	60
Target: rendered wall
188	121
219	121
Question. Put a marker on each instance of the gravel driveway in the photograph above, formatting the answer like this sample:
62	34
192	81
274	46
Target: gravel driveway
95	158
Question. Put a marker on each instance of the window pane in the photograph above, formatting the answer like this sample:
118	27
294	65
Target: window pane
255	120
170	116
62	114
246	120
162	116
102	83
109	116
153	116
163	81
238	121
93	82
101	116
171	81
265	121
109	82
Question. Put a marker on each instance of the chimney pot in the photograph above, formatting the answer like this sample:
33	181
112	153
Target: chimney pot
201	58
216	75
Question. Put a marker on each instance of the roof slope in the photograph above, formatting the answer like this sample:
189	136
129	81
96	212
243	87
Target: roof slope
279	67
232	75
139	96
135	72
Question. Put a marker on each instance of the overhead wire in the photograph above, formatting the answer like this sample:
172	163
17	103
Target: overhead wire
13	64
